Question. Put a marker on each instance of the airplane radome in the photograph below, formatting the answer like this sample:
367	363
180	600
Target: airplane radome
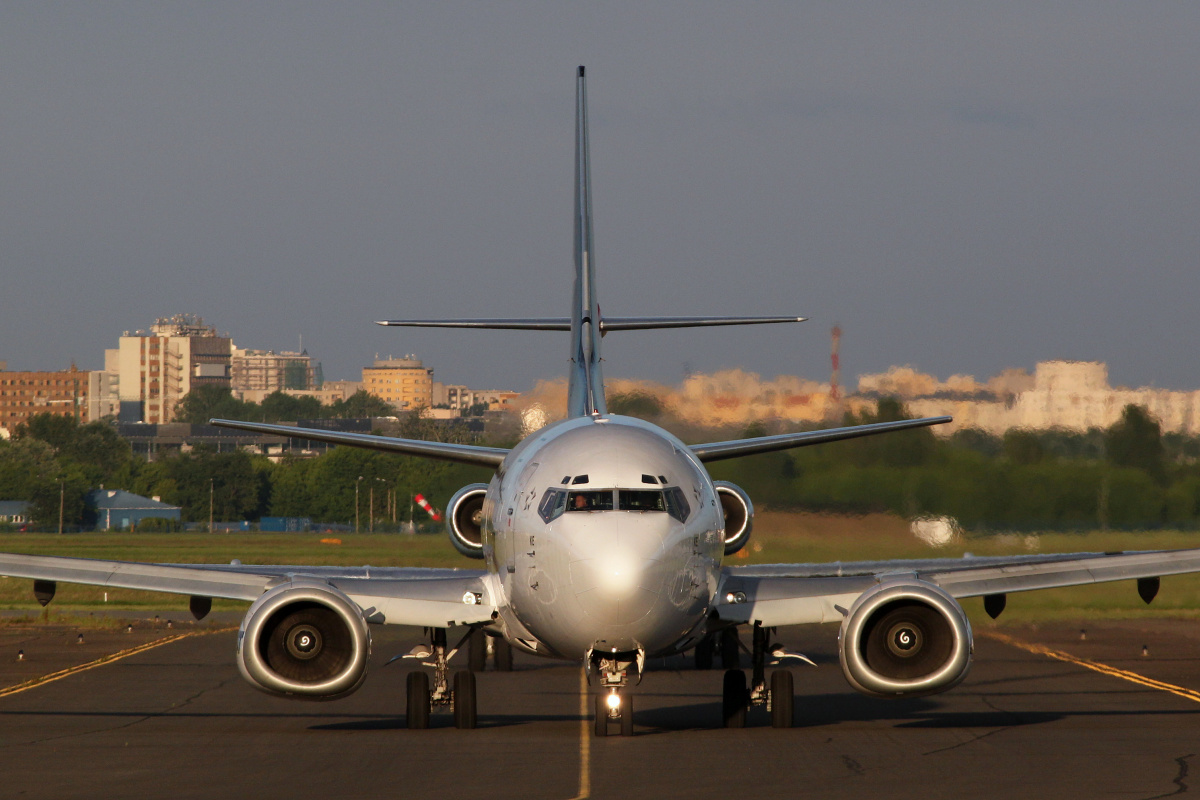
602	540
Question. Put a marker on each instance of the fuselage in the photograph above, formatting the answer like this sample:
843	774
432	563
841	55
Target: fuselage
603	532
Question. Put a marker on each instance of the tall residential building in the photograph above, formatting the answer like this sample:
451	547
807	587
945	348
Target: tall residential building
158	368
403	382
268	371
23	394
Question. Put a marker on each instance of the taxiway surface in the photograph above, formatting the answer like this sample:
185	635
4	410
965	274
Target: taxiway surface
178	721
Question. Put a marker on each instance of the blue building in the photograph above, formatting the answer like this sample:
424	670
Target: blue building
120	510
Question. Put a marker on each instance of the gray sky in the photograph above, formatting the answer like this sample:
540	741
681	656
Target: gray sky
962	188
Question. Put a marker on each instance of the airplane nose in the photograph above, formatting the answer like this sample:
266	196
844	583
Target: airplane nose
615	570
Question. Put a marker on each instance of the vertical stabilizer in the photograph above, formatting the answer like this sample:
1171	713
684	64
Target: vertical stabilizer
586	382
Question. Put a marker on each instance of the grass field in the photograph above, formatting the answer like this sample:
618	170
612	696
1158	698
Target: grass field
778	538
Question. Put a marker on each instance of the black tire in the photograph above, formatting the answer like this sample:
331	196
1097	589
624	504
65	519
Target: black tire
418	701
731	657
733	699
626	715
503	653
601	710
704	652
464	700
477	651
783	699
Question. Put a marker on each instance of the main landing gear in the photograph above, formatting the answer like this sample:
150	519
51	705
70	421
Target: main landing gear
613	702
458	693
779	699
480	646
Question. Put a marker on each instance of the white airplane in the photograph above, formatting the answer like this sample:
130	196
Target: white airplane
603	538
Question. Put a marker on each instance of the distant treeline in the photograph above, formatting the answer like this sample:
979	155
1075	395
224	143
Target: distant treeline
1128	476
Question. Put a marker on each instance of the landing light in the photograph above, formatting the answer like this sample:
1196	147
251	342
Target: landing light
733	598
613	700
472	598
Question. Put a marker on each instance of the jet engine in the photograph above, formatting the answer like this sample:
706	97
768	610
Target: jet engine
739	515
305	640
464	520
905	639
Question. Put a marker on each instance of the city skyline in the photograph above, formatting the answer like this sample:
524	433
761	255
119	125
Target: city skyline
961	189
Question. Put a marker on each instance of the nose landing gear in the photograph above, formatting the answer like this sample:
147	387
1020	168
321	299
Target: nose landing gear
613	703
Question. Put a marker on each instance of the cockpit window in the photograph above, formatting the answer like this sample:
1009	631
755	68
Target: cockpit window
649	479
640	500
554	501
677	504
592	500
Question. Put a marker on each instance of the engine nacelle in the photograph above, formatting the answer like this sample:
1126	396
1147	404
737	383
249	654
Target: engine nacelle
306	640
905	639
739	515
464	520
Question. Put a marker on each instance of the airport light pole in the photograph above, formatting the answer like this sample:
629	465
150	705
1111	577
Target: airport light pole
357	486
385	483
210	504
62	496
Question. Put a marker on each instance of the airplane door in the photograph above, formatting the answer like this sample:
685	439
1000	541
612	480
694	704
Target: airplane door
510	544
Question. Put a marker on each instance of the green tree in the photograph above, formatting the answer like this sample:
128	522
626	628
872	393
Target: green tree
361	405
238	482
280	407
636	404
209	401
1136	441
1022	446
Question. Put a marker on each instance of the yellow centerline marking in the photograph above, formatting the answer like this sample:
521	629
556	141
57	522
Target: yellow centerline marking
1096	666
585	741
42	680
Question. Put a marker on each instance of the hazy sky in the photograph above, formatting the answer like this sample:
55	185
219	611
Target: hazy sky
962	188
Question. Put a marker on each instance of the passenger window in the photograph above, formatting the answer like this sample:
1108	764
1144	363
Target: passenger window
640	500
677	504
592	500
554	501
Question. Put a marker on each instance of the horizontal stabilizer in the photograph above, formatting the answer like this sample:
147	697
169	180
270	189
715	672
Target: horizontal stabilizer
548	324
648	323
460	453
606	323
717	451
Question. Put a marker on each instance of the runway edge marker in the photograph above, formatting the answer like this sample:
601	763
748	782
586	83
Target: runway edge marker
42	680
1096	666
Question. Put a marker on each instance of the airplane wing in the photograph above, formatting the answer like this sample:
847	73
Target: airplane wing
398	596
715	451
795	594
461	453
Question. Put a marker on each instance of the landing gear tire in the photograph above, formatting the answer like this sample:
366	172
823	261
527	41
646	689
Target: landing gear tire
782	699
626	715
704	652
601	709
477	651
418	701
464	700
504	655
733	699
730	657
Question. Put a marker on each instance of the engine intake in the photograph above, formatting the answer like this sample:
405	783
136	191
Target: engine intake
464	520
739	515
905	639
306	640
